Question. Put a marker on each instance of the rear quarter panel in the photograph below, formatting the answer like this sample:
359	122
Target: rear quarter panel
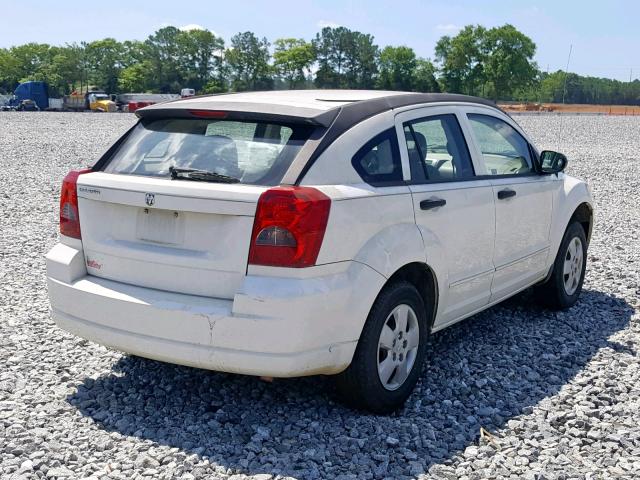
372	225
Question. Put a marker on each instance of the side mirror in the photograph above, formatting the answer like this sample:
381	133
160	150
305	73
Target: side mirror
552	162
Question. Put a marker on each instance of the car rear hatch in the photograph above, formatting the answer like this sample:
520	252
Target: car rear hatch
183	237
143	227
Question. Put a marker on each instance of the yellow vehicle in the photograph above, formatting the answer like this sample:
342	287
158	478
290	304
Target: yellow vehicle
100	102
95	101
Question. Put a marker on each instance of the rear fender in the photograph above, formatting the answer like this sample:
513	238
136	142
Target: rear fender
399	245
392	248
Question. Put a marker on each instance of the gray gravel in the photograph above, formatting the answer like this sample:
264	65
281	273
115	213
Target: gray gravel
555	395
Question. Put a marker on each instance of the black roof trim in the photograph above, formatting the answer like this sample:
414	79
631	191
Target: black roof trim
353	113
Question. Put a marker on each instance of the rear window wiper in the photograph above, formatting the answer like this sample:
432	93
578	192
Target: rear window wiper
200	175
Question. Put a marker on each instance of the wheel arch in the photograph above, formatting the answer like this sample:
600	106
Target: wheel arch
573	202
421	276
583	214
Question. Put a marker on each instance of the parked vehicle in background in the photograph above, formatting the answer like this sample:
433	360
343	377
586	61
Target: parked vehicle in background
187	92
27	105
56	104
95	101
132	101
38	92
30	96
306	232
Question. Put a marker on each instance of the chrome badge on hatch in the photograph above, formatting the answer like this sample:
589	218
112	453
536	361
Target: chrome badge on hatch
150	199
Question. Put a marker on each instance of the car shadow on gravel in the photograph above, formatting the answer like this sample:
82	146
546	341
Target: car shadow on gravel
484	372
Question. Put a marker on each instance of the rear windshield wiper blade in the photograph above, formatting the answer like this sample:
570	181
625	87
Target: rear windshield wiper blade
200	175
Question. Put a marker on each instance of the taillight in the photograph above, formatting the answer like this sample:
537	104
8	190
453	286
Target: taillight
289	227
69	217
208	113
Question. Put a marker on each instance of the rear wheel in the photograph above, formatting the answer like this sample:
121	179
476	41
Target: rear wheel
389	356
563	288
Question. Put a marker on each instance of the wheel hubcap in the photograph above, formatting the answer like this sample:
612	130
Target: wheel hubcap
398	346
573	265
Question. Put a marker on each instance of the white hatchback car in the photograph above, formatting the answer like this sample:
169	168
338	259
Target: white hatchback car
310	232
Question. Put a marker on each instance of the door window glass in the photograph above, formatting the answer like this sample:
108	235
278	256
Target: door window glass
437	149
504	150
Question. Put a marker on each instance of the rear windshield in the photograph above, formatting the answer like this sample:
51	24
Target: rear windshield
257	153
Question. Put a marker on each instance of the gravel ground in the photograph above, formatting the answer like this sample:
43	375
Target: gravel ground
557	393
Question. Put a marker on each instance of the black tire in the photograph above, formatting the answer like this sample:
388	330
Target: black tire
553	293
359	386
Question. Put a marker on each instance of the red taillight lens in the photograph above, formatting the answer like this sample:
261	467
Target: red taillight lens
289	227
69	217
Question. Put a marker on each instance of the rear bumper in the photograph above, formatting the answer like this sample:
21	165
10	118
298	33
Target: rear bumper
274	326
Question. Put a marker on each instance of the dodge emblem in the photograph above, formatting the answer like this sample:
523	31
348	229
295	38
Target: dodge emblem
150	199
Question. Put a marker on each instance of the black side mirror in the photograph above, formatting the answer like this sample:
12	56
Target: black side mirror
552	162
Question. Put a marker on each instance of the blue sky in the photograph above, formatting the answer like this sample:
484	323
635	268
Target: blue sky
605	35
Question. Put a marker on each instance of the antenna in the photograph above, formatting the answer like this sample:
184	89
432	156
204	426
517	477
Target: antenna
566	72
564	92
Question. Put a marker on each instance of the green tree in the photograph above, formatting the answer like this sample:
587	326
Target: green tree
9	71
200	57
162	49
362	66
248	63
134	51
508	62
136	77
424	77
104	58
293	58
330	46
461	59
397	67
346	59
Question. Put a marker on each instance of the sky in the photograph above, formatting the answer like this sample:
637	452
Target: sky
604	36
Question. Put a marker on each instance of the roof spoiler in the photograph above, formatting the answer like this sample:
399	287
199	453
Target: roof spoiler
243	111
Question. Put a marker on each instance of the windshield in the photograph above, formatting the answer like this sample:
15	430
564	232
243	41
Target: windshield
101	96
254	152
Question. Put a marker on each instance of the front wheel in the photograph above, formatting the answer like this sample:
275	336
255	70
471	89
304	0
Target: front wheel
563	288
389	356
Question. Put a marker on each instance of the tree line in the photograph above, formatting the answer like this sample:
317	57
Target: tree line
496	63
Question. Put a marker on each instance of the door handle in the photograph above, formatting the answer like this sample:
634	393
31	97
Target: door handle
506	193
432	203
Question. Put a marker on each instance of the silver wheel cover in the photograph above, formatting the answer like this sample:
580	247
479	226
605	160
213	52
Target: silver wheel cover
573	266
398	347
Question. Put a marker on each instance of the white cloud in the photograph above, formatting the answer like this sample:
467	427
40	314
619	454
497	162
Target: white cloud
448	27
327	23
192	26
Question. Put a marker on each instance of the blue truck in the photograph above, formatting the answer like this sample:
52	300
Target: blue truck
29	95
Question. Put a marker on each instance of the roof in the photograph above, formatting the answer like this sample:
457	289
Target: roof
315	107
334	111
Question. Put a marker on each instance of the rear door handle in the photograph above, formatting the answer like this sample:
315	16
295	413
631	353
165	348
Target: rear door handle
506	193
432	203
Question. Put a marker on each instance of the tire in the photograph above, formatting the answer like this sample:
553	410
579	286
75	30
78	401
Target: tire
360	385
562	289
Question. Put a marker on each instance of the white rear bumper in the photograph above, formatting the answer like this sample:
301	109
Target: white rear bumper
275	326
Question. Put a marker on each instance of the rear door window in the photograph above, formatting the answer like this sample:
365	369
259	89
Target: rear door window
255	152
437	149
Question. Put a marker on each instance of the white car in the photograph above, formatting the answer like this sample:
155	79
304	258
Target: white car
297	233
